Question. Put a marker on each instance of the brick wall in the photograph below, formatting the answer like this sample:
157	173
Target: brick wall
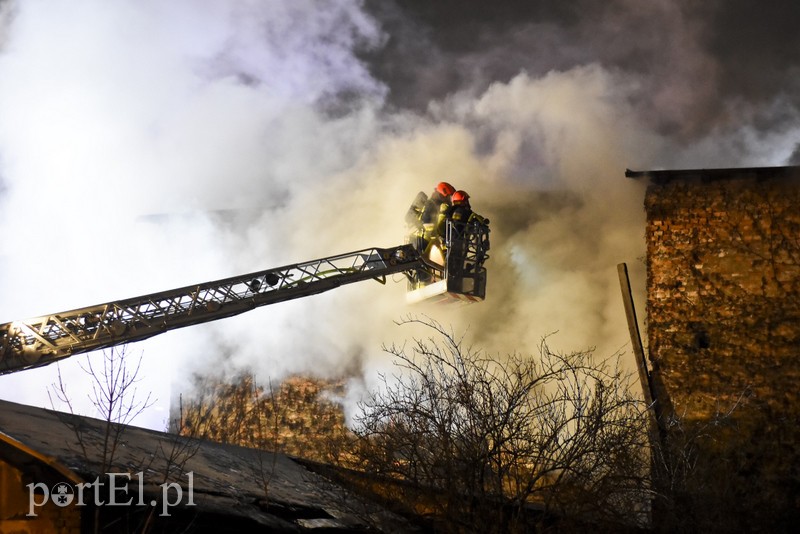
723	326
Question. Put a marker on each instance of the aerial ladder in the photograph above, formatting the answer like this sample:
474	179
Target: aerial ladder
458	276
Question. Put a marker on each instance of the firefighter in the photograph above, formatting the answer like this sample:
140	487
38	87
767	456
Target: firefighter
438	202
425	210
460	212
433	209
460	215
423	217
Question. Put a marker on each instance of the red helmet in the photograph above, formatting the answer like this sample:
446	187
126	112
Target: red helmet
460	196
445	189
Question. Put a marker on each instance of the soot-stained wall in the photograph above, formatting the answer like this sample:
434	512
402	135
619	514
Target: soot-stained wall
723	325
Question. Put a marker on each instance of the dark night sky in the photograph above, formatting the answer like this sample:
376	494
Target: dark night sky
728	60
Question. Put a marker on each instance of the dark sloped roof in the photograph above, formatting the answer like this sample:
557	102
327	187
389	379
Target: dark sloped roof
269	488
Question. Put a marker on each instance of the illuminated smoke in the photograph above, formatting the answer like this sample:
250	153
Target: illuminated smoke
150	145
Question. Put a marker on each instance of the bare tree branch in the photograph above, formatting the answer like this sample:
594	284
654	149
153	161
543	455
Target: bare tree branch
486	439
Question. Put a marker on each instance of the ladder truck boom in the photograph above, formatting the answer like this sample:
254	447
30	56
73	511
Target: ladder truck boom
43	340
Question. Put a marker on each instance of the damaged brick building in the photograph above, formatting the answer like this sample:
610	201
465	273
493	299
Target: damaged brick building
723	334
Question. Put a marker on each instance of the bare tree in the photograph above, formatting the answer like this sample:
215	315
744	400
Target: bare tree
114	396
175	453
223	411
697	485
267	420
491	444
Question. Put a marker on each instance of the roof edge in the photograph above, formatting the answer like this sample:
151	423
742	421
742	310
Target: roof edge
47	460
662	176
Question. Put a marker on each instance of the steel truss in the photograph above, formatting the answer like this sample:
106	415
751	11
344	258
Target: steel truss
42	340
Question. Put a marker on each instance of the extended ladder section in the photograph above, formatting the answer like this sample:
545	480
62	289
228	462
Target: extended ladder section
42	340
454	270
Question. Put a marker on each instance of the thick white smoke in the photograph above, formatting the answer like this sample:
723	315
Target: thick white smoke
150	145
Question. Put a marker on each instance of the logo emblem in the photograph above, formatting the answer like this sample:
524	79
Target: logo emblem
62	494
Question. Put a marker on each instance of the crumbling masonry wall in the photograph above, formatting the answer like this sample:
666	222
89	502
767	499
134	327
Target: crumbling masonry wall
723	325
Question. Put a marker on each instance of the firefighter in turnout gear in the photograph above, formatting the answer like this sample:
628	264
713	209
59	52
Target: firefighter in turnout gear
460	212
433	210
424	212
437	203
461	217
424	216
452	242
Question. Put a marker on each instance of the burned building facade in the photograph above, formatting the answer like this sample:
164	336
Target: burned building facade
723	335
